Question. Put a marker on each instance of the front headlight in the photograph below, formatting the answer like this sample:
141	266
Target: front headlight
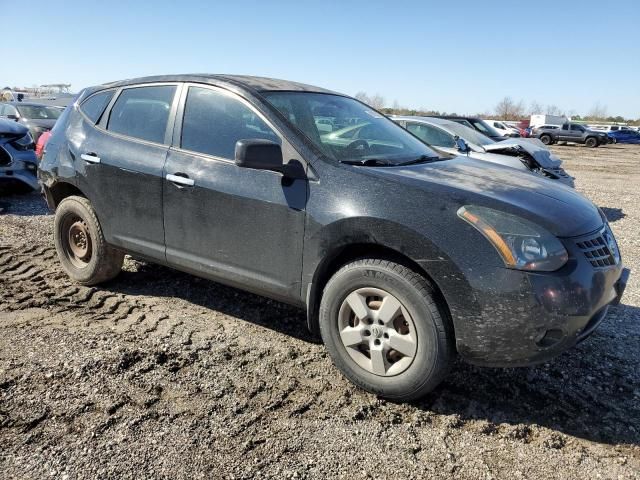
24	143
521	244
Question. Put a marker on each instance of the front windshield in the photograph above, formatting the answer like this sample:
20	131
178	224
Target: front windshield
35	112
469	134
346	130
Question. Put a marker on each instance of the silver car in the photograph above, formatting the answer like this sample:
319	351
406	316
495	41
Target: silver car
454	138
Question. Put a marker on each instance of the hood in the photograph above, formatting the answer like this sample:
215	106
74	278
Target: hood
541	154
45	122
556	207
12	129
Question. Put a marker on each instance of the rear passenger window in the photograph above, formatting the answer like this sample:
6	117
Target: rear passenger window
142	112
214	122
431	135
95	105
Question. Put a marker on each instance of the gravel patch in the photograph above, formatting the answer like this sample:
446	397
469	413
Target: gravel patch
158	374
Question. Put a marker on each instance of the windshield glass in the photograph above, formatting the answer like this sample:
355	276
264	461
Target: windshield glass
346	130
469	134
39	113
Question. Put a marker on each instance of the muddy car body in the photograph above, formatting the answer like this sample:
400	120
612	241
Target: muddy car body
401	258
18	163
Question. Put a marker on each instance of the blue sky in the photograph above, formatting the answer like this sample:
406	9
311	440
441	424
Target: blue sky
461	56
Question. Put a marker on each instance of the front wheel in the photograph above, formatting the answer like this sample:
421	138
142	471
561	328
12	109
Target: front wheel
80	244
546	139
591	142
384	329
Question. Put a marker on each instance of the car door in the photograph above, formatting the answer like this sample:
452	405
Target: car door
564	133
576	132
122	160
241	226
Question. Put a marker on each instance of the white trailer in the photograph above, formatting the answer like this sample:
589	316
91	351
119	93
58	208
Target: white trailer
537	120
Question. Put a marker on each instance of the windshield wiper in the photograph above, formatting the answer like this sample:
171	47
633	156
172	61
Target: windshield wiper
421	159
369	162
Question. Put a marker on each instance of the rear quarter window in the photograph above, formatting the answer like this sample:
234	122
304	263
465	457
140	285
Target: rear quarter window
93	106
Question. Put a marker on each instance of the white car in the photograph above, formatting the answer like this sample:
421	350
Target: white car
504	129
453	138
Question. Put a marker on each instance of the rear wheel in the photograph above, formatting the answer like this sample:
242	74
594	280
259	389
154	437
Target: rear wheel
80	244
546	139
384	330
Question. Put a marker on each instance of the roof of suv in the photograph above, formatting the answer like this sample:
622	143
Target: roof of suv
434	120
259	84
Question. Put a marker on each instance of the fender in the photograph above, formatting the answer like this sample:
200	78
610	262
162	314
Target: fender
325	249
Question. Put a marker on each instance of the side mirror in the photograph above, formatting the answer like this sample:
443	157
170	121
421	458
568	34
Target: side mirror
461	145
259	154
15	118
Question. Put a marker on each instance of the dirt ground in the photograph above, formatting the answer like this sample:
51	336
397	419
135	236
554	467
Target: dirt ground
159	374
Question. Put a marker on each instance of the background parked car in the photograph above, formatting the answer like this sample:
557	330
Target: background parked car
18	164
477	124
42	143
504	129
525	155
625	136
36	117
571	132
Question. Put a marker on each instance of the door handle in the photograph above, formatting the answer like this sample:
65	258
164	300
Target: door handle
180	180
90	157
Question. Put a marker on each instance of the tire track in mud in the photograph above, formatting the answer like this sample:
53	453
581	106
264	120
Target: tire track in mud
31	277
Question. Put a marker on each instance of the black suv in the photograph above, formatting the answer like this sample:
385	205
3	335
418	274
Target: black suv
401	258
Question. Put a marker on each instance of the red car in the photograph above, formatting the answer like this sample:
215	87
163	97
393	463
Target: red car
523	128
42	142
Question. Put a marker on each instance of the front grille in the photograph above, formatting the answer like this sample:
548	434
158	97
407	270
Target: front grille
600	249
5	158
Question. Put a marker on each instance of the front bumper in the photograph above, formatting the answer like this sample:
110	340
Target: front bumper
21	169
528	318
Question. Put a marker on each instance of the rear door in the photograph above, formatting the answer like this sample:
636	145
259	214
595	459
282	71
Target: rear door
122	161
241	226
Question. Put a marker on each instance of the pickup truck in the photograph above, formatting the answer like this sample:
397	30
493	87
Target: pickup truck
570	132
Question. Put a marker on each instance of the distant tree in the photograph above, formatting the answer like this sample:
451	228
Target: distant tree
536	108
363	97
377	101
597	112
554	110
508	109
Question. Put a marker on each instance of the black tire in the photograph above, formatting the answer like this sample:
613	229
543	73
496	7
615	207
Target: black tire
435	340
101	261
591	142
546	139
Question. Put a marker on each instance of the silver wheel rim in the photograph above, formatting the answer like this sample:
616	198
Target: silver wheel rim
377	332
